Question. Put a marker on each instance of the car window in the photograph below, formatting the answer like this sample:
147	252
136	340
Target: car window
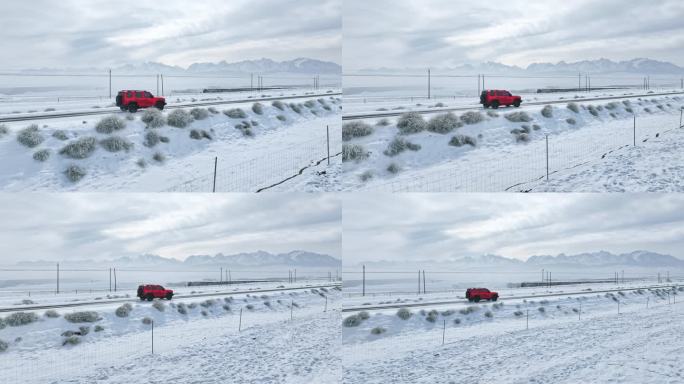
129	94
507	93
147	94
138	94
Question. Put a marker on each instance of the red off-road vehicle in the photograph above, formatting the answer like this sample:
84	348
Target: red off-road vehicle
497	98
477	294
150	292
133	100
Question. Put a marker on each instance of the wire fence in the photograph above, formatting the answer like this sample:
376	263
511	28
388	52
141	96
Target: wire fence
378	87
521	168
442	329
35	86
88	354
271	169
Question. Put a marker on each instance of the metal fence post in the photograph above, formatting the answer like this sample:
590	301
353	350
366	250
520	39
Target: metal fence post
634	135
443	331
579	314
547	157
153	337
363	291
240	323
215	166
327	138
291	309
527	321
326	304
681	111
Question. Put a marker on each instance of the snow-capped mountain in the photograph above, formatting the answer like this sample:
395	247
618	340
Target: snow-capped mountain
603	258
247	259
487	259
300	65
641	65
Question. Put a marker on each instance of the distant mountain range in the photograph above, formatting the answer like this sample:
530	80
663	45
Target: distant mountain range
644	259
249	259
638	66
300	65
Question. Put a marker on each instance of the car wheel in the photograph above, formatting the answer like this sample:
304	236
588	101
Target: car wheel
495	104
169	296
133	108
150	297
495	298
516	104
476	299
123	109
160	106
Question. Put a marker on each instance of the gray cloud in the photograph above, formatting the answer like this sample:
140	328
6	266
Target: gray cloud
442	33
99	33
433	227
93	226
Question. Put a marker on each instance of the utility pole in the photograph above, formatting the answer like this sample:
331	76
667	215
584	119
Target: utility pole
110	279
157	84
429	95
221	274
110	83
419	281
424	291
363	292
478	84
251	81
114	279
634	130
162	83
579	81
542	275
57	277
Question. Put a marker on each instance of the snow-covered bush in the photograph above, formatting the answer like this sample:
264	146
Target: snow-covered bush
82	317
518	117
258	108
226	307
159	157
51	313
518	313
179	118
593	110
541	309
79	149
383	122
30	136
159	306
461	140
355	129
208	303
573	107
3	130
99	328
147	320
213	111
522	137
404	313
399	145
296	108
472	117
352	321
310	104
20	318
393	168
84	330
151	139
353	152
182	309
365	176
153	118
124	310
444	123
457	321
110	124
199	113
281	118
492	114
116	144
199	134
60	135
468	310
71	340
411	122
74	173
279	104
363	315
3	346
547	111
378	331
571	121
489	314
432	316
41	155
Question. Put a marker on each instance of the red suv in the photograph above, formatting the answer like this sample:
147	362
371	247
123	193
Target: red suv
477	294
133	100
496	98
150	292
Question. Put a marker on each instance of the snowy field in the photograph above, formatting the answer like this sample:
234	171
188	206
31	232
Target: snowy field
571	338
256	146
290	336
505	150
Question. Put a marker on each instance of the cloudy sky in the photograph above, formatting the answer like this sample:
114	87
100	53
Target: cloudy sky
61	227
442	226
103	33
442	33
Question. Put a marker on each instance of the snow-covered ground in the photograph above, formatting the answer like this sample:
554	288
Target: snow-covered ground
276	146
577	338
505	150
279	337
